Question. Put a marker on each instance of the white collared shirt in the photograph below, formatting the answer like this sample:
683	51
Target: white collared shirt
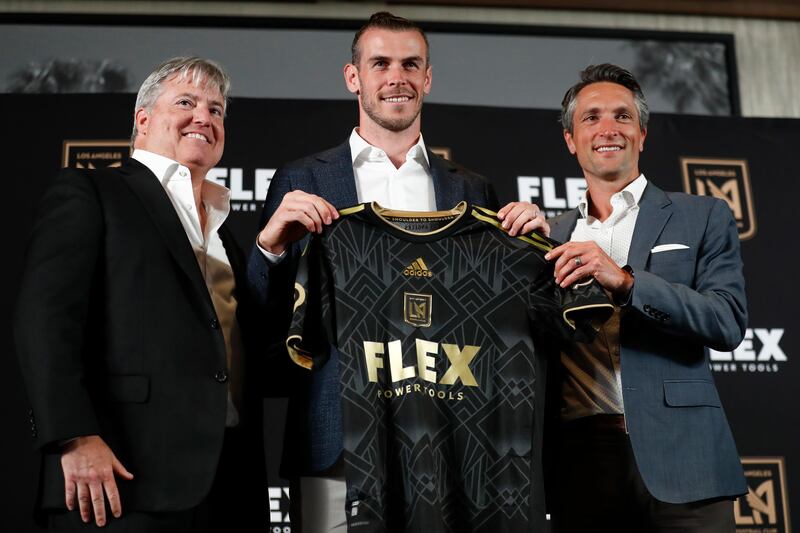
208	249
614	234
408	188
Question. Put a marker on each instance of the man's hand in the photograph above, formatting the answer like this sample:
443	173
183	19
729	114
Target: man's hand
89	467
299	213
581	260
520	218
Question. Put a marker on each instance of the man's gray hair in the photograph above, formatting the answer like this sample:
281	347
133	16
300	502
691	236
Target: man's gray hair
604	73
201	71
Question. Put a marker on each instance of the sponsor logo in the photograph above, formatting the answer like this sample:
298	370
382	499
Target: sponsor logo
764	509
417	269
727	179
424	369
553	196
279	510
417	309
95	154
248	189
760	351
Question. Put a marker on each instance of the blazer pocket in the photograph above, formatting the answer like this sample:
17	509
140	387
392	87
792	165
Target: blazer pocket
128	389
691	393
671	256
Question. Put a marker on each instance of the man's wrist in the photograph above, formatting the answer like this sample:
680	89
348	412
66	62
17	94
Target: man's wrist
623	297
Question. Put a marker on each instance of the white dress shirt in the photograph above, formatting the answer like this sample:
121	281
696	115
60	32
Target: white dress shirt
209	251
408	188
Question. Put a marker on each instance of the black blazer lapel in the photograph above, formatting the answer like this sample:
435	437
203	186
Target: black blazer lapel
334	176
161	211
655	209
448	191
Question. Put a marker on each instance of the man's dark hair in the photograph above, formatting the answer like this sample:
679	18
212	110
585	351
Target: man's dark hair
599	73
384	20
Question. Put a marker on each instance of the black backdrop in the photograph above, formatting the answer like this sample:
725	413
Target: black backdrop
522	152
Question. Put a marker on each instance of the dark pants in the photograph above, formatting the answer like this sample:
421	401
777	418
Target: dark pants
599	488
232	505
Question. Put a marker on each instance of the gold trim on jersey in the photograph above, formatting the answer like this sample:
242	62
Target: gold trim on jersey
595	324
530	238
299	356
383	212
351	210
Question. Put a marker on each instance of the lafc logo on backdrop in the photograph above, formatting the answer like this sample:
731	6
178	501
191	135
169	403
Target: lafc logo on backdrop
727	179
760	351
764	509
95	154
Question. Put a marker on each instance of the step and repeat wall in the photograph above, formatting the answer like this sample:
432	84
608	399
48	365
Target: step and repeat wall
751	163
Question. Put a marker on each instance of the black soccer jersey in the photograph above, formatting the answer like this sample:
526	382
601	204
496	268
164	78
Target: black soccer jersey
430	318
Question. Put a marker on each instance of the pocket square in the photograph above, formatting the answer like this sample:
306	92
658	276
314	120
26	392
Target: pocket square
668	247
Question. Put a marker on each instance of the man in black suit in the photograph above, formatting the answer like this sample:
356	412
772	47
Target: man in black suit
384	160
130	328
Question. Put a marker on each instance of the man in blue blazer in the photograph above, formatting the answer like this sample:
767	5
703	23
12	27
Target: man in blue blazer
643	442
384	160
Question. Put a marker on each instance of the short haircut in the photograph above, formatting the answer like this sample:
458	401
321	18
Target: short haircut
600	73
386	21
201	71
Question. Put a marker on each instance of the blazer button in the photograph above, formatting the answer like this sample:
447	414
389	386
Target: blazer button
214	323
647	308
221	376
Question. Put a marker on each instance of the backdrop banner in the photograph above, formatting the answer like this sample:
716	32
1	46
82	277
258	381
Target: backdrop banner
748	162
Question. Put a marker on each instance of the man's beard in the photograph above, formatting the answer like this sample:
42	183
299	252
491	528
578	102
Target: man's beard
392	124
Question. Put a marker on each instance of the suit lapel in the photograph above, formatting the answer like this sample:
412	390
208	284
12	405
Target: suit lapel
655	209
561	227
448	191
334	176
161	211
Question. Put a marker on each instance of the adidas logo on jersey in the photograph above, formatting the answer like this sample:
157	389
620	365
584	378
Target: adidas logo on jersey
418	269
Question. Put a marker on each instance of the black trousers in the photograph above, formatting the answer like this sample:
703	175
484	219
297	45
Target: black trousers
232	505
598	488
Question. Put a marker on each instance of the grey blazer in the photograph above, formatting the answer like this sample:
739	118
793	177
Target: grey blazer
313	438
685	298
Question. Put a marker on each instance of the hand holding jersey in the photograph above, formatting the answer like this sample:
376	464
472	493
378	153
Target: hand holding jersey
299	213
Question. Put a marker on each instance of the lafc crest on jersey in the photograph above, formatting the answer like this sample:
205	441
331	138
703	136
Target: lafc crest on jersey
417	309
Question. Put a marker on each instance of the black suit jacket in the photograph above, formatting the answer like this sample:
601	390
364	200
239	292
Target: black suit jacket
313	438
117	336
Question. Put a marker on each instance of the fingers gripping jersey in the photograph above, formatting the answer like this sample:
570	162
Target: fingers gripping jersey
433	316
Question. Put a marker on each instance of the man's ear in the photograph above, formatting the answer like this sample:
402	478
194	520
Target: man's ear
427	86
351	78
142	119
641	142
570	142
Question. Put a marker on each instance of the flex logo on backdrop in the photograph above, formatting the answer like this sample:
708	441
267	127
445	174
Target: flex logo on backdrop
760	351
765	508
279	510
727	179
248	189
95	154
551	195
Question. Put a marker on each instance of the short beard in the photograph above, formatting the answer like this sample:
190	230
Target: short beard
391	124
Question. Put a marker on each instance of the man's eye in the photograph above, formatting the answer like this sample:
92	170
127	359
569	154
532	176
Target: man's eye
217	111
624	116
411	65
184	102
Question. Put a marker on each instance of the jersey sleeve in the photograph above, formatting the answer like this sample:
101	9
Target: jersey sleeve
310	333
574	313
